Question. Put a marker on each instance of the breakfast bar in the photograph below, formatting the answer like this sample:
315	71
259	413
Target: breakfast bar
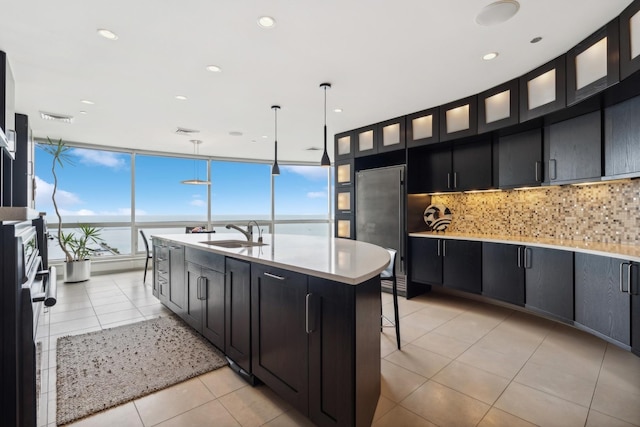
299	313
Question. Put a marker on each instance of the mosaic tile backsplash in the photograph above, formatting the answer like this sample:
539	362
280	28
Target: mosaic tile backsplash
604	212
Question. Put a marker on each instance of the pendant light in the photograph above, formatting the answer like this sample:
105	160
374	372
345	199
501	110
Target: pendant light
325	156
195	181
275	169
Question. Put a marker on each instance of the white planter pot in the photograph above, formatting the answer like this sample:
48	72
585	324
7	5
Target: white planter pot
77	271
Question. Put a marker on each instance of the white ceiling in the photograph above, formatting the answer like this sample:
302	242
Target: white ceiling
384	59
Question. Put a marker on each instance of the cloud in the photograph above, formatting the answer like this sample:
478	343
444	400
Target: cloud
317	195
43	195
99	158
309	172
81	212
198	203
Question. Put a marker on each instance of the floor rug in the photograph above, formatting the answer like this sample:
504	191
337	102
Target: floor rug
102	369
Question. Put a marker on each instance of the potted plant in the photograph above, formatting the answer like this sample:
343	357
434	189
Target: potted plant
76	252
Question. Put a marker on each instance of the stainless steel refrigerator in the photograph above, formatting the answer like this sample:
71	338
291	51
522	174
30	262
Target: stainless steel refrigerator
380	209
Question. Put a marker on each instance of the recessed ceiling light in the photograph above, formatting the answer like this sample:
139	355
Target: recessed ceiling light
83	112
497	12
266	22
107	34
86	101
337	110
489	56
214	68
235	133
265	136
181	97
535	40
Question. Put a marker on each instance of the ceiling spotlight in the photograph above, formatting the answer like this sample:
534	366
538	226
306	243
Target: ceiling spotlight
214	68
181	97
497	12
107	34
535	40
489	56
266	22
337	110
86	101
83	112
235	133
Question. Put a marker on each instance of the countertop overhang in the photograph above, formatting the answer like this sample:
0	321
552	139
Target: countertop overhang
341	260
614	250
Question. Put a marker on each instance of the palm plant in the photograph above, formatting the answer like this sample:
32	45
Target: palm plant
74	247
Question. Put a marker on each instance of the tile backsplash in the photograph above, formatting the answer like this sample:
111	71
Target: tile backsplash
603	212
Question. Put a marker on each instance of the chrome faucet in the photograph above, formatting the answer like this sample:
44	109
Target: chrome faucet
249	233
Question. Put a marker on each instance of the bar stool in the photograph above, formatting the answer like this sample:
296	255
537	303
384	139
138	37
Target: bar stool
149	255
390	274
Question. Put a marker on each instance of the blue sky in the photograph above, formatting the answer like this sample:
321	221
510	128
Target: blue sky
98	183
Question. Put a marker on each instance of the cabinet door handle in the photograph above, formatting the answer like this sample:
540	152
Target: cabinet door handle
537	166
455	180
205	288
527	257
273	276
629	267
554	169
519	256
448	180
444	248
198	288
622	264
439	243
307	310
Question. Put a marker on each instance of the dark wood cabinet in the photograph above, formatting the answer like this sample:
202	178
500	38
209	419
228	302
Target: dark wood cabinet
238	312
459	119
423	128
549	282
633	277
366	141
622	139
543	90
280	353
344	145
461	167
462	265
629	64
426	260
520	159
391	135
574	149
204	287
498	107
503	274
168	275
601	302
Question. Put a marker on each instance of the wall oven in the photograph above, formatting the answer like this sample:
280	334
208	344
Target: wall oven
26	285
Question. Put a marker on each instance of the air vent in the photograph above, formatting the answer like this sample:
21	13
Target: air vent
63	118
185	131
313	149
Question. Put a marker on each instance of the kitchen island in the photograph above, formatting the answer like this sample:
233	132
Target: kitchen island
299	313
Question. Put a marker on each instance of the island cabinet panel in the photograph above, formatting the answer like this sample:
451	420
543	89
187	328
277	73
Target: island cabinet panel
549	282
205	295
503	272
160	271
279	340
634	290
238	312
426	260
176	297
622	139
601	298
574	148
462	265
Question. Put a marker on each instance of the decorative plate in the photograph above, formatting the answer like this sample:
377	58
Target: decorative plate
437	217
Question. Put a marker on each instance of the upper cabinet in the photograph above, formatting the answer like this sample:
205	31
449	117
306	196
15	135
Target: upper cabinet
392	135
459	119
344	145
592	65
520	159
366	141
423	128
574	149
622	139
498	107
630	40
542	91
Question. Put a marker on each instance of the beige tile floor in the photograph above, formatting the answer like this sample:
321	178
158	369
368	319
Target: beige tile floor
463	363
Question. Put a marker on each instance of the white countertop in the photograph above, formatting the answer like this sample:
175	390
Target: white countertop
340	260
615	250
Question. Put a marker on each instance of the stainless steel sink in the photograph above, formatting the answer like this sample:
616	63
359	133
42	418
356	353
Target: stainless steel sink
232	243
